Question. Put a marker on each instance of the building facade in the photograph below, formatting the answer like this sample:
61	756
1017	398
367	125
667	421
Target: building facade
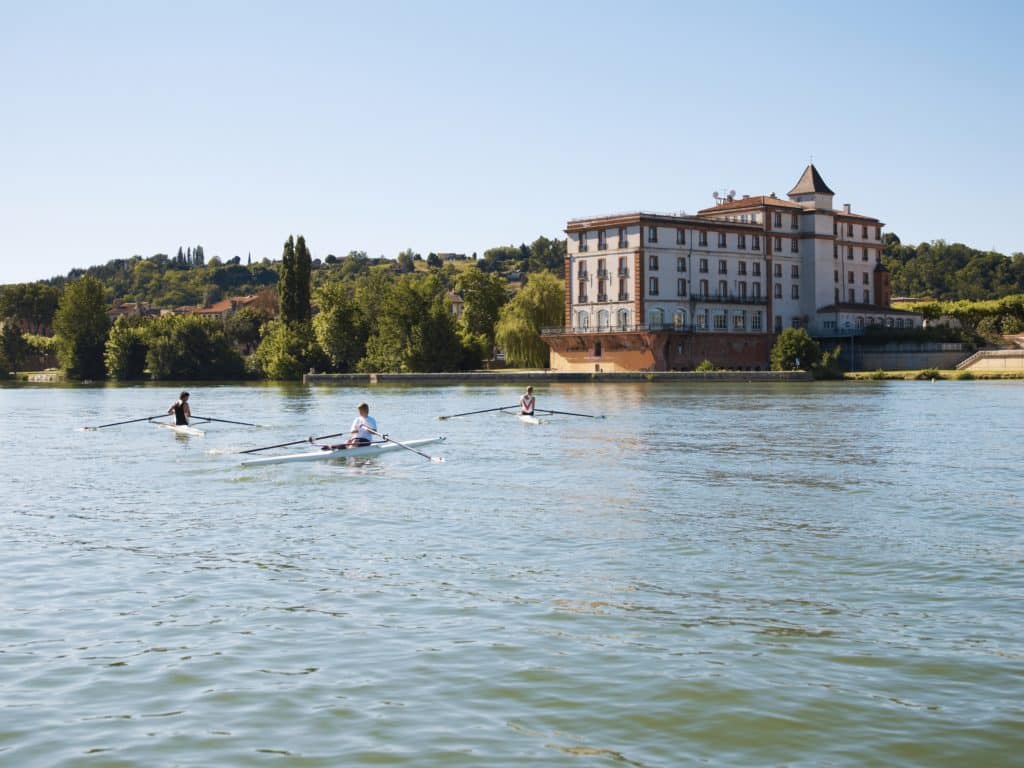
647	291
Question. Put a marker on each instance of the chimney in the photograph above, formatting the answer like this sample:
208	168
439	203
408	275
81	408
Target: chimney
746	197
846	207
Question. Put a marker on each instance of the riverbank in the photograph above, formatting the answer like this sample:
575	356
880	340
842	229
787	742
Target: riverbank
512	377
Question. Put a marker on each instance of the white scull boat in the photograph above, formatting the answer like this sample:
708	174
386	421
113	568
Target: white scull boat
183	429
528	419
373	449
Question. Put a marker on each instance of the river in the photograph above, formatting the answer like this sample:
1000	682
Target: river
758	574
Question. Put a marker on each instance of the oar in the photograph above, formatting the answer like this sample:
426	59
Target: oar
568	413
226	421
129	421
471	413
433	459
293	442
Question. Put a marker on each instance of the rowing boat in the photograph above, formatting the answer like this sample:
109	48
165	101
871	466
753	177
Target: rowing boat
373	449
183	429
527	418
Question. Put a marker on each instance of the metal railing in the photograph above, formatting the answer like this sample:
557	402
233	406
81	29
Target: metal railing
636	328
720	298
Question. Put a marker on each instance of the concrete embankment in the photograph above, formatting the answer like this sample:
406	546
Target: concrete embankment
513	377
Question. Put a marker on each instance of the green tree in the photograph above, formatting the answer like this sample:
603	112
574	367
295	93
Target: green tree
433	260
540	304
415	329
303	280
81	326
338	326
287	282
483	296
188	348
795	350
406	261
547	254
243	327
32	303
287	350
13	347
125	352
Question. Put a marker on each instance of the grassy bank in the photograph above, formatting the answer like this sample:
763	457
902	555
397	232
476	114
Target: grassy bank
928	374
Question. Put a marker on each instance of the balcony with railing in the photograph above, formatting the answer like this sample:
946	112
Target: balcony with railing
623	296
623	271
602	297
729	298
582	275
615	328
602	273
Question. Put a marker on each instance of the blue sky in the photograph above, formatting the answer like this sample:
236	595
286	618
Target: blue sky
133	128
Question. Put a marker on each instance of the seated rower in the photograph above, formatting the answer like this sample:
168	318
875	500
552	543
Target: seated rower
527	403
363	428
182	413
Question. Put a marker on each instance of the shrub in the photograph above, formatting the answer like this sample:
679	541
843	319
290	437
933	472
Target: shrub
706	367
929	373
965	376
877	375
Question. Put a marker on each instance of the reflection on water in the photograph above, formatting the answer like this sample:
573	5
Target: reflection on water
756	574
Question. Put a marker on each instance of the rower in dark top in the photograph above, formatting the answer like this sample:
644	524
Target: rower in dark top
182	413
527	403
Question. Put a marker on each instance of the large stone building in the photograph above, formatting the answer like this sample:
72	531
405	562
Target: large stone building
649	291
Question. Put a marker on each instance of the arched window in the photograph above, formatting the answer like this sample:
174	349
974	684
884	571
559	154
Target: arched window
602	320
860	323
583	321
623	315
679	318
656	318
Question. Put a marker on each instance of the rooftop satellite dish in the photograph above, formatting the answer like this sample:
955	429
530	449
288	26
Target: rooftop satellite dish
715	194
732	193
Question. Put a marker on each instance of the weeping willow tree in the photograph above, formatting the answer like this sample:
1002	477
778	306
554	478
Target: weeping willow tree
540	304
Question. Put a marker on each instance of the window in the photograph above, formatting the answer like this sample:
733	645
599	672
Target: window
623	269
652	261
878	233
756	290
723	267
597	344
741	268
795	322
778	323
702	238
859	322
582	321
794	246
849	277
852	294
656	318
849	230
652	234
795	293
741	241
623	289
623	318
741	289
723	288
602	290
864	257
849	253
755	242
794	271
583	242
680	237
837	295
835	251
602	320
581	270
681	286
757	268
602	269
794	222
739	320
702	320
755	321
679	318
835	227
778	290
778	270
653	286
602	240
582	294
864	278
703	288
721	239
867	296
720	321
681	264
864	232
623	241
835	275
703	265
777	245
777	219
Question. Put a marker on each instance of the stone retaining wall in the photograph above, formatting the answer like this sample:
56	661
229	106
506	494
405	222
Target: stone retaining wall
509	377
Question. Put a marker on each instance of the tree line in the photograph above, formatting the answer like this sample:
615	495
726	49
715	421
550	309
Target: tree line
353	314
950	271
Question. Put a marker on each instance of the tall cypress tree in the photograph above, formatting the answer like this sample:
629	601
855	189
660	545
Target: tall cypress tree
287	281
303	270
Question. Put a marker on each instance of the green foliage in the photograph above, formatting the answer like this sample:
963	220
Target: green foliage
81	325
243	327
965	376
294	286
13	348
951	271
795	350
497	259
483	296
706	366
287	350
433	260
40	345
985	319
828	367
877	375
929	373
189	347
415	329
540	304
547	254
339	327
406	261
125	353
32	303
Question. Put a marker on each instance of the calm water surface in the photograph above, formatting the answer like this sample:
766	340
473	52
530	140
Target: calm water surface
743	575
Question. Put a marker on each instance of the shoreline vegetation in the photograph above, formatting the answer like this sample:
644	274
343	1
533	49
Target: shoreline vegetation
186	318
